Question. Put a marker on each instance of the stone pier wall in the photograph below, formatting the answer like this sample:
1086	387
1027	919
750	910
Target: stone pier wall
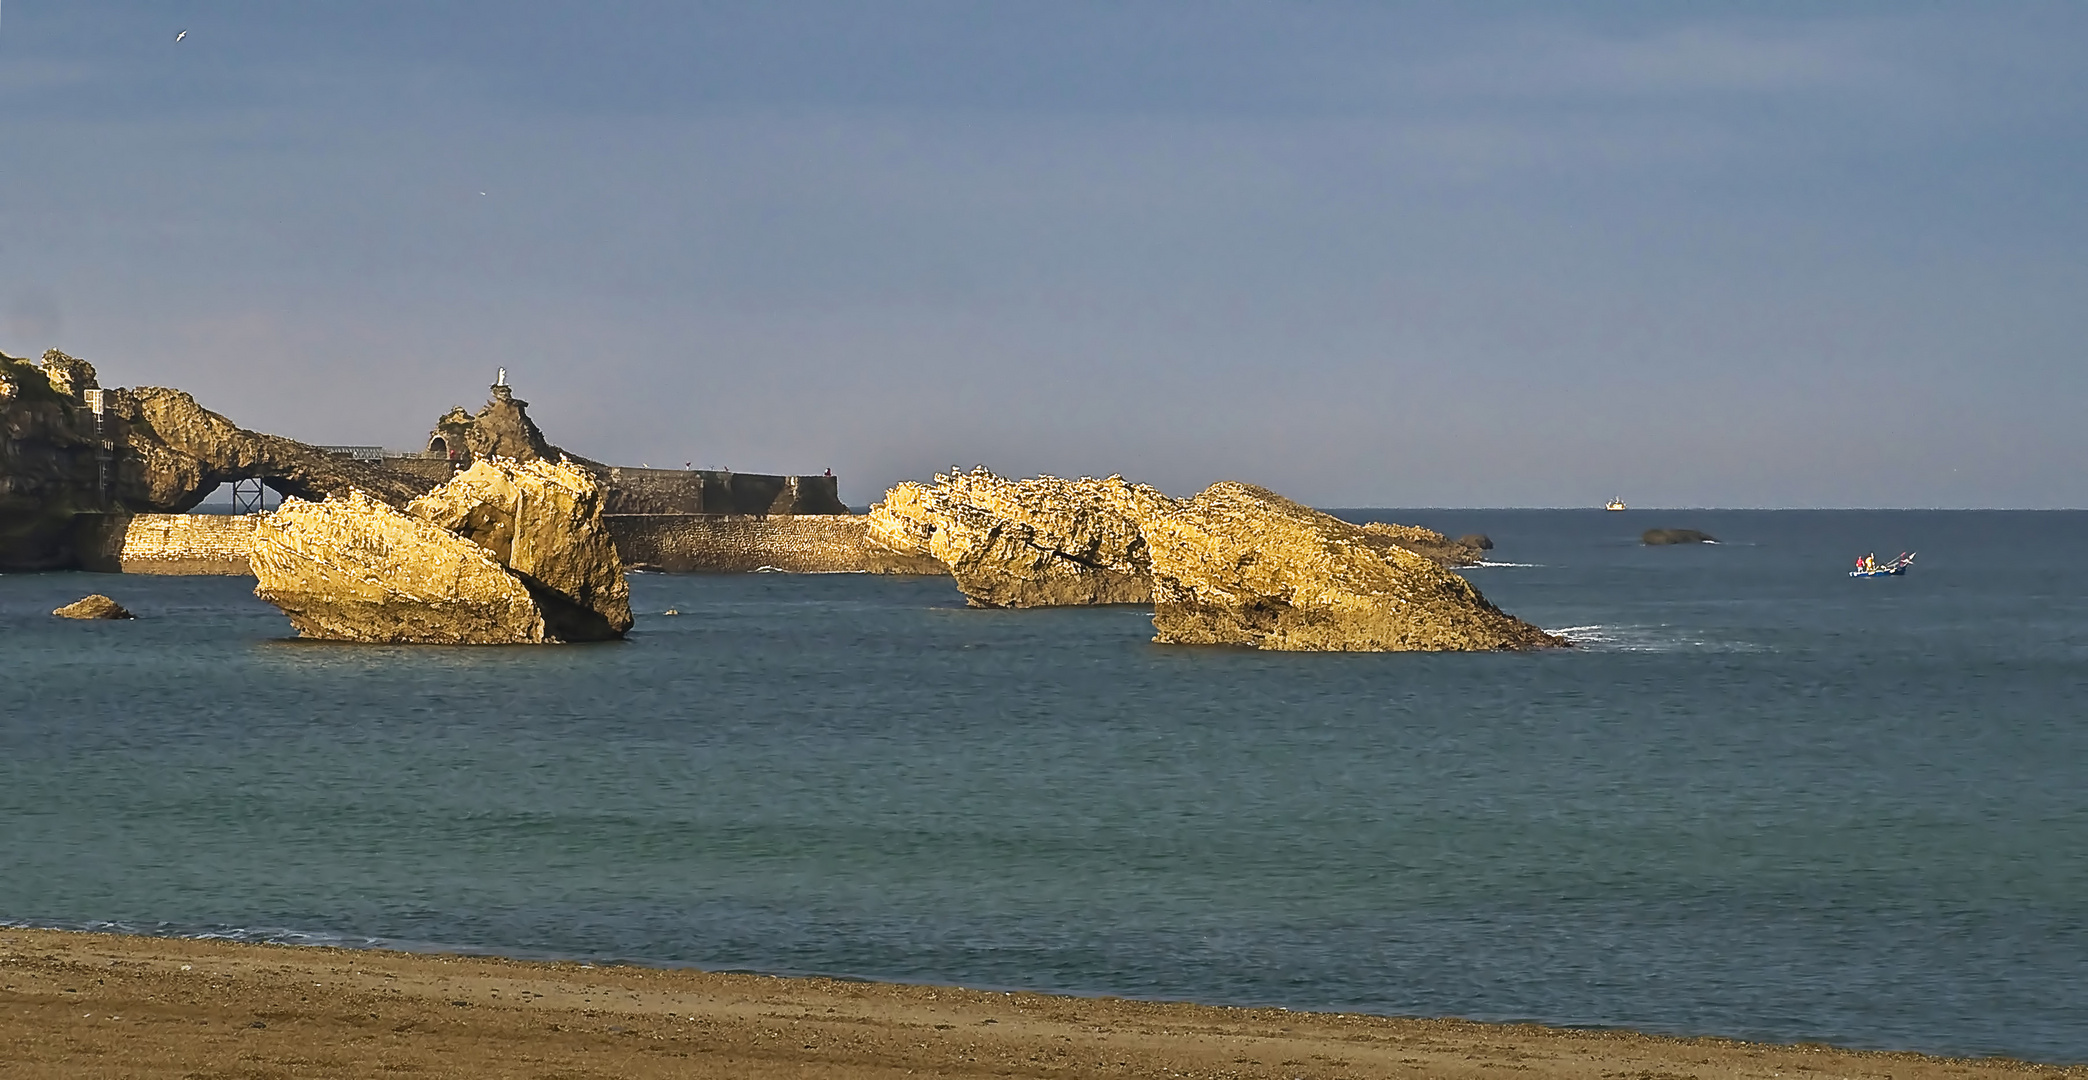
714	491
738	544
166	543
675	543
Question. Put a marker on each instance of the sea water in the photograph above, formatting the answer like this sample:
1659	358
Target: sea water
1761	800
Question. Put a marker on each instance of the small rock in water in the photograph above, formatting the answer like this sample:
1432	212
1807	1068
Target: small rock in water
1677	536
93	607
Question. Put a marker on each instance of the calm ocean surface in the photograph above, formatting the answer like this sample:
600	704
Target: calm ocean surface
1764	801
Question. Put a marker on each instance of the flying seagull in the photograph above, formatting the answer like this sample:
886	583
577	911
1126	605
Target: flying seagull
179	36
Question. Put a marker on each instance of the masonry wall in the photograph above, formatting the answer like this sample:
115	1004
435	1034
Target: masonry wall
681	491
719	543
433	470
675	543
166	543
715	491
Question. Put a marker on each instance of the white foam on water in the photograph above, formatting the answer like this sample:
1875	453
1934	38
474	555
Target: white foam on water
1648	639
1484	562
276	936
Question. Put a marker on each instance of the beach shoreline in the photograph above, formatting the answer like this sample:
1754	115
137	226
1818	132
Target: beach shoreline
74	1002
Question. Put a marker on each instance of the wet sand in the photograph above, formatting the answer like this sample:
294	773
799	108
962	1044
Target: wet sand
104	1005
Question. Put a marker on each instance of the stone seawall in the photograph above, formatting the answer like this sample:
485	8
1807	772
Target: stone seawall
166	543
714	491
433	470
738	544
675	543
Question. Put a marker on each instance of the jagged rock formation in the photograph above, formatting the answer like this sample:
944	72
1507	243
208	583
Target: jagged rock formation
1237	565
152	450
1240	565
1659	537
50	464
528	562
544	523
96	606
1427	543
177	452
502	429
354	569
1027	543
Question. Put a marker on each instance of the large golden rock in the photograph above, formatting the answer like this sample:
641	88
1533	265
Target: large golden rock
1043	542
1241	565
354	569
544	523
503	553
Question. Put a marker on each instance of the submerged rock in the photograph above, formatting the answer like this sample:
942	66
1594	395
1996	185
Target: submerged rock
544	523
1657	537
1427	543
93	607
505	553
1043	542
1240	565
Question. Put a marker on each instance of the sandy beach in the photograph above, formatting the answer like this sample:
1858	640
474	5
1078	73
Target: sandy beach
104	1005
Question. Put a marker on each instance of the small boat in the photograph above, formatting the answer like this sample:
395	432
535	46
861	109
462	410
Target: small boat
1869	566
1614	504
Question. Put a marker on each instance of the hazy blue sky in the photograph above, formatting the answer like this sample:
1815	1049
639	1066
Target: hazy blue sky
1791	254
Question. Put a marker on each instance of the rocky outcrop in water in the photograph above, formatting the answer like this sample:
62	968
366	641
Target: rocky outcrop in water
1043	542
50	459
354	569
1427	543
543	522
152	450
1237	565
1661	537
1240	565
176	452
505	553
96	606
502	429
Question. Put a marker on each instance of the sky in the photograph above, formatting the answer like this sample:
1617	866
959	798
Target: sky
1366	254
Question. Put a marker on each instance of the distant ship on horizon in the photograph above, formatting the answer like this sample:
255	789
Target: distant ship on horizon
1614	504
